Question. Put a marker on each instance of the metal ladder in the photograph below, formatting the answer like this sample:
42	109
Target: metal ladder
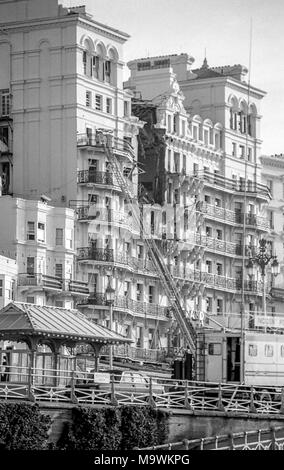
162	270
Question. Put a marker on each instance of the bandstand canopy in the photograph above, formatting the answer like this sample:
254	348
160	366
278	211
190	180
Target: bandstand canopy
20	319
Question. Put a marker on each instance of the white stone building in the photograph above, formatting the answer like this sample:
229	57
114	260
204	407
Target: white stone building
61	86
273	177
209	169
41	240
8	278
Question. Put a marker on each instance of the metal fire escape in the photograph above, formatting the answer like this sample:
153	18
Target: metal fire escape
163	272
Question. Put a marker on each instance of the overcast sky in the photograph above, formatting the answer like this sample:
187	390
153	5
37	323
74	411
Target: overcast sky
160	27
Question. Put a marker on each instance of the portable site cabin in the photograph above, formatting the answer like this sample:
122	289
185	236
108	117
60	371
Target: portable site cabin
220	357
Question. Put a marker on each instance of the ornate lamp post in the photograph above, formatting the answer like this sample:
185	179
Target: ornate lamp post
110	294
262	259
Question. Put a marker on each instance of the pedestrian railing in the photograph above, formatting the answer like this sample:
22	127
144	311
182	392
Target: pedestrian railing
80	387
260	439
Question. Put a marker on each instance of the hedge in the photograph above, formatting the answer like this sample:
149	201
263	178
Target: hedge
23	427
121	428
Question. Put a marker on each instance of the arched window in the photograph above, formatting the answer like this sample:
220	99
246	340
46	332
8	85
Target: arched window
218	136
87	57
197	129
233	113
111	66
252	113
243	112
208	132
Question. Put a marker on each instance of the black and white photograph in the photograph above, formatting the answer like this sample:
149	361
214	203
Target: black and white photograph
141	230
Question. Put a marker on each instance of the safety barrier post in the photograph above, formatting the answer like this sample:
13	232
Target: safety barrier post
187	404
273	439
186	444
30	384
113	400
252	408
151	399
220	405
282	401
72	388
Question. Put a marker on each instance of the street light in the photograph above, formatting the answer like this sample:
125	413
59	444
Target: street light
110	294
263	258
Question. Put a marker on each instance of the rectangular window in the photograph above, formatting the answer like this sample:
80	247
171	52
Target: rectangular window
220	304
30	265
88	98
30	300
151	294
176	162
208	231
59	237
209	304
252	350
59	303
219	234
242	151
234	149
208	266
219	269
1	288
92	198
169	123
85	62
31	231
271	219
95	66
249	154
69	238
99	102
139	251
170	160
58	270
109	105
218	202
268	350
195	169
41	232
126	108
5	103
214	349
184	164
183	128
92	281
139	292
4	134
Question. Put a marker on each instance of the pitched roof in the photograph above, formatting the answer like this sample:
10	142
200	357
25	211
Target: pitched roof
54	322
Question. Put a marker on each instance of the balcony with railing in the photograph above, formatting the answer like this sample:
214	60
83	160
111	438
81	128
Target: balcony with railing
43	281
78	287
214	244
92	212
107	255
118	146
258	190
96	177
228	216
39	280
136	307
